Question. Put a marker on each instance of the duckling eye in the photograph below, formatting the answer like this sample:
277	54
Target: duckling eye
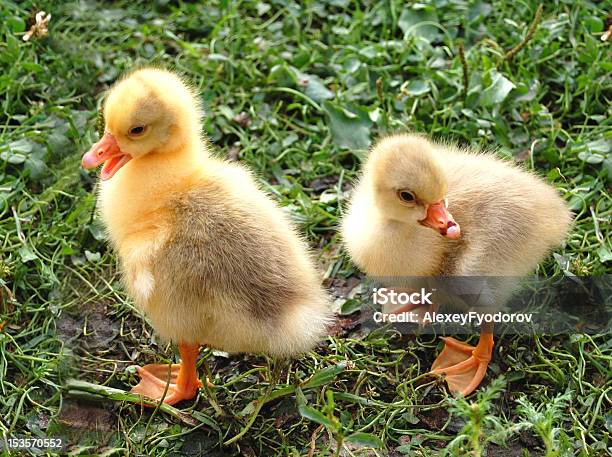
138	130
406	196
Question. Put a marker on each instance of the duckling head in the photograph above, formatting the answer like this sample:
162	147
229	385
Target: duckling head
149	111
409	184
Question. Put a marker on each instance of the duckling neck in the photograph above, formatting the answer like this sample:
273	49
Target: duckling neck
399	248
164	171
147	184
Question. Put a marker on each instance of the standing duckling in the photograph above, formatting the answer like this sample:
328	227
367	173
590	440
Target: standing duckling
426	209
204	252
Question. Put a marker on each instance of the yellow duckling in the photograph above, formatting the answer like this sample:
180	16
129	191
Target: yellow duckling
204	252
428	209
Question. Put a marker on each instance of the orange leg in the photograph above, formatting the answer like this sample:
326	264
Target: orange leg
418	310
181	379
464	366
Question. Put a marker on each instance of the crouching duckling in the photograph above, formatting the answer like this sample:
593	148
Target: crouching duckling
426	209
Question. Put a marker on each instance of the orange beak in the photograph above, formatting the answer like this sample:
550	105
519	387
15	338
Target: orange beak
106	151
438	218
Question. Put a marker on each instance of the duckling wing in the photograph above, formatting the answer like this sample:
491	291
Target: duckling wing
509	218
234	275
219	250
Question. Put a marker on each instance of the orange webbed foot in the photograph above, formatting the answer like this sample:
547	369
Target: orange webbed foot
463	365
153	381
178	381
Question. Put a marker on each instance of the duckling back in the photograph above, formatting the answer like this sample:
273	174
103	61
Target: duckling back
510	218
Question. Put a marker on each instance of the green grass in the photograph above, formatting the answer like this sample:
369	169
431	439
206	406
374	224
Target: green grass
370	70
